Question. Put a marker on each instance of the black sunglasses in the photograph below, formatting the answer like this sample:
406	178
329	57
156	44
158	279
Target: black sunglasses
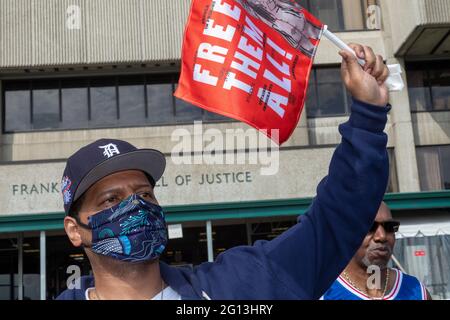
389	226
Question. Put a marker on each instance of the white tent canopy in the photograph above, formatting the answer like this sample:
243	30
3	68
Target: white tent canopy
426	225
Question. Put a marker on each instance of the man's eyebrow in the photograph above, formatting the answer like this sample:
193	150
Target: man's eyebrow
142	185
116	189
109	190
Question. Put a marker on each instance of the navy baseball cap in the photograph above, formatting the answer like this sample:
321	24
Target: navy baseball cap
102	158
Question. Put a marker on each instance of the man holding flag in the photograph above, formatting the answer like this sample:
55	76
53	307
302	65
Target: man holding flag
301	263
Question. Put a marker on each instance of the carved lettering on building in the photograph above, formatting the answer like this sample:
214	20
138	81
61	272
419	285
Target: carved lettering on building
37	188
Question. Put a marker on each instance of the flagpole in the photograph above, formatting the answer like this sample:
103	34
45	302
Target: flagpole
394	82
340	44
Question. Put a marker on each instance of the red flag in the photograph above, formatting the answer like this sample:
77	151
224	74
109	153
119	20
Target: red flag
250	60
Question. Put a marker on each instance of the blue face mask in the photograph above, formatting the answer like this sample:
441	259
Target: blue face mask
133	231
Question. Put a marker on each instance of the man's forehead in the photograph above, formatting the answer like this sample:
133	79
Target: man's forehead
384	213
121	180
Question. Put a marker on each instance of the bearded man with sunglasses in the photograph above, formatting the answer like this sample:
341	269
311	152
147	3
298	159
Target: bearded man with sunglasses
358	280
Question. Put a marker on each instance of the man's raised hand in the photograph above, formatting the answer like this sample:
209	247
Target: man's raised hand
366	83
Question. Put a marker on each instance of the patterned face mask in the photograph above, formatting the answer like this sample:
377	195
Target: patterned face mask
133	230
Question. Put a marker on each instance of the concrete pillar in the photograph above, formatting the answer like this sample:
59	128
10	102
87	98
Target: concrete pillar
405	147
303	130
209	241
248	226
20	267
402	128
43	266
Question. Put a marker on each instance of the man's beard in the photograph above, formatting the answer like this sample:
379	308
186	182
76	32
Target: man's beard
380	262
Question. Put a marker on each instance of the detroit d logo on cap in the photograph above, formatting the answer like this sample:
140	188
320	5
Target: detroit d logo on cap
109	150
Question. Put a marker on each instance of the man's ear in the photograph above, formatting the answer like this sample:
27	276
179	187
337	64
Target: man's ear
72	231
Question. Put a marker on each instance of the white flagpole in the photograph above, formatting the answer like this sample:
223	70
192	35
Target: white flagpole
340	44
394	82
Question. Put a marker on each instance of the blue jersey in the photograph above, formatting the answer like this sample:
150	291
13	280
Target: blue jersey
406	287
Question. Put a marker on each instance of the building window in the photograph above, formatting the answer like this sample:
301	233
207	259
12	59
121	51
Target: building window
18	95
45	104
74	103
97	102
393	177
429	86
327	96
434	167
131	99
345	15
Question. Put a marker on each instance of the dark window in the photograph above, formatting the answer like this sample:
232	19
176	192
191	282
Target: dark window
434	167
269	230
190	250
45	104
445	162
345	15
132	100
104	105
75	103
211	116
393	179
329	11
228	236
160	103
99	102
186	112
327	96
17	98
429	86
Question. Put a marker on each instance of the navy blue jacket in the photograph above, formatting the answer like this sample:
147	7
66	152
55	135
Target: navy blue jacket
304	261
